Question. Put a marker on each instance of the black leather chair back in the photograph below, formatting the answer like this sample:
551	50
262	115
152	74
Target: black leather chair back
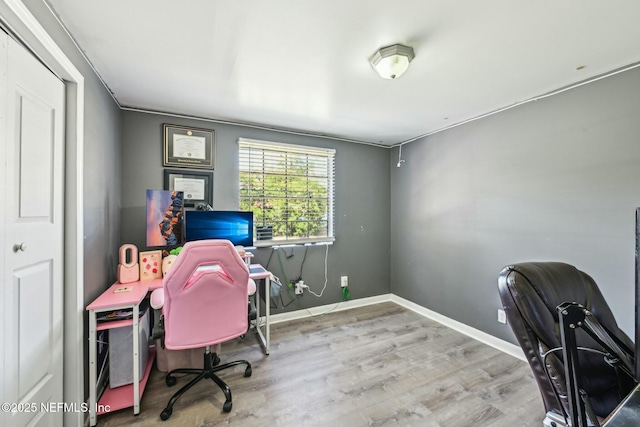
530	293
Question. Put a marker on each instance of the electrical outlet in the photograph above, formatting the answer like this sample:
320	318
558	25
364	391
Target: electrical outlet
299	288
344	281
502	316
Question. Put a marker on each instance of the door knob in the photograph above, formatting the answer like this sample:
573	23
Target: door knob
20	247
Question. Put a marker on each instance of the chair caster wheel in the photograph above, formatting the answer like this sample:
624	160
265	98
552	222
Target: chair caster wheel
227	406
165	414
216	360
171	381
248	371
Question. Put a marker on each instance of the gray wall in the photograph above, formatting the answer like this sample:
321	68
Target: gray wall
101	204
556	179
361	249
550	180
101	196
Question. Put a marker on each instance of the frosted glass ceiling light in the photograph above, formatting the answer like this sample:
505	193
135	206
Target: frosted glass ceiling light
392	61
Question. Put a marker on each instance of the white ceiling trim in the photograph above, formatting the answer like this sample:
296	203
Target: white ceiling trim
302	67
253	126
473	119
526	101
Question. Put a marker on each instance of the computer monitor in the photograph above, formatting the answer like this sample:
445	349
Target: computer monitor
236	226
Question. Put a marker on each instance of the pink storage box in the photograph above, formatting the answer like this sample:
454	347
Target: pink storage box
168	360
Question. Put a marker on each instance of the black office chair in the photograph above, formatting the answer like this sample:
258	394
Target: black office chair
530	294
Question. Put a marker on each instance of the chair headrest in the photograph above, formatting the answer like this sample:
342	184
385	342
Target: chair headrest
198	257
537	288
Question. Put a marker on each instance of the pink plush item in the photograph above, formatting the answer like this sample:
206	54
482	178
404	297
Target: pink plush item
205	295
166	263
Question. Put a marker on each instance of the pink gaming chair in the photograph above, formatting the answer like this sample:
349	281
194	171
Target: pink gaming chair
205	303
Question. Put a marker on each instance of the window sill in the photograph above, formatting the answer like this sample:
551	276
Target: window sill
293	242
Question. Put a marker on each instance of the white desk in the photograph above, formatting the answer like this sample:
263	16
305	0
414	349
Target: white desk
257	272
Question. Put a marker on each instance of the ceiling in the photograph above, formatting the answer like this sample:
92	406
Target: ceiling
303	65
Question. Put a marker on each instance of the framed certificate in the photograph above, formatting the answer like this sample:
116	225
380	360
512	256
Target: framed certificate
196	186
188	147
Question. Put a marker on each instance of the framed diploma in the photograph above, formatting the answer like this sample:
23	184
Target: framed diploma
196	186
188	147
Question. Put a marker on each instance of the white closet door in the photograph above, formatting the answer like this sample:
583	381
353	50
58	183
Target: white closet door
32	218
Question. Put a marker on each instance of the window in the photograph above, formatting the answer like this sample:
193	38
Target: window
290	189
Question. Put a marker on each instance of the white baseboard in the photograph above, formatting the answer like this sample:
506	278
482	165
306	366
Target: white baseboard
329	308
497	343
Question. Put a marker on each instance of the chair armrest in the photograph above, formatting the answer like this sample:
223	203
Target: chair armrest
251	287
157	299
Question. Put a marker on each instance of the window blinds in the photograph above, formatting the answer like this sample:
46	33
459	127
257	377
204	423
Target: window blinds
289	188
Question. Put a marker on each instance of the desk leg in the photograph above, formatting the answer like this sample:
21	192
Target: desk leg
92	369
136	360
256	298
263	337
267	291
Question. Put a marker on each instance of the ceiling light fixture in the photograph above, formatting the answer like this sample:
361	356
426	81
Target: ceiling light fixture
392	61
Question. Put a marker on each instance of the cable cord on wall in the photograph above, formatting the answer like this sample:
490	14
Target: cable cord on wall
400	160
326	256
284	274
324	312
304	258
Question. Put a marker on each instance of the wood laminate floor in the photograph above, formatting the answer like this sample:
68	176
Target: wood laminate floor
379	365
